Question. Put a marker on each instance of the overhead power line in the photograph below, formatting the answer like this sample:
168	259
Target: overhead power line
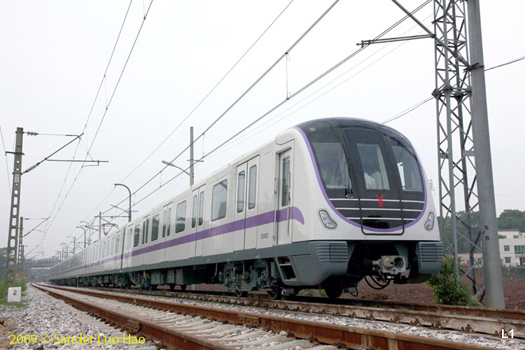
419	104
257	81
191	113
315	80
407	111
505	64
107	106
279	104
210	92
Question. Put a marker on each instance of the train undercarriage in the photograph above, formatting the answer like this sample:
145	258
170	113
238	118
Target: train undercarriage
377	264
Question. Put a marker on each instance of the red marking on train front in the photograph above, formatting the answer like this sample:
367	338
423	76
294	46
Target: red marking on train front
380	200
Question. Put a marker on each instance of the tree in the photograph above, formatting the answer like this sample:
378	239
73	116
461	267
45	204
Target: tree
512	219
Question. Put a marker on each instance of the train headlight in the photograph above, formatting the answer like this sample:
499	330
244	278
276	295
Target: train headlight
429	224
327	221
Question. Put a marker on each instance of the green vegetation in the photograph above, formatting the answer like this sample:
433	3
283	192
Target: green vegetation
509	219
512	219
20	279
19	282
518	271
447	290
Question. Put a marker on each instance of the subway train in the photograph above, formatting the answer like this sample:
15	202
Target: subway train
327	204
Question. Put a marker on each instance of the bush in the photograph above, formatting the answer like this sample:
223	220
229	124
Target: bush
447	290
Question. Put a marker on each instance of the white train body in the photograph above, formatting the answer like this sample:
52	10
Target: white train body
301	211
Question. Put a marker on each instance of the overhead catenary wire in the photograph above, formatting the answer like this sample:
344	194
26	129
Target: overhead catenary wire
505	64
421	103
265	124
107	106
353	54
89	116
193	110
210	92
315	80
257	81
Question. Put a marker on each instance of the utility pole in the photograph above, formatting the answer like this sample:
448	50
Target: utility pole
129	200
12	238
191	173
83	229
21	260
487	203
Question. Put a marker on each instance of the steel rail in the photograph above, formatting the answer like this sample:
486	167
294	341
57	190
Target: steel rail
134	325
347	336
461	318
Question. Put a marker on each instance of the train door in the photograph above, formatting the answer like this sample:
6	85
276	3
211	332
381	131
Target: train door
246	208
285	197
240	207
252	208
122	247
166	230
198	219
128	247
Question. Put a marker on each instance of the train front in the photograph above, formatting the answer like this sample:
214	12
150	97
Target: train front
376	198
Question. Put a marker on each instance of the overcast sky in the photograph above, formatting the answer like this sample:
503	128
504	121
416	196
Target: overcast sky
55	55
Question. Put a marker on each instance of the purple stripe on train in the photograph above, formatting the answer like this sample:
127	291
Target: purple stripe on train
293	213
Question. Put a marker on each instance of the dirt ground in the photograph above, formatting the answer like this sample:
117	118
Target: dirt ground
514	290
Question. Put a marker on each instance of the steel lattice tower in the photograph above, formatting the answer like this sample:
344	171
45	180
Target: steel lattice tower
465	169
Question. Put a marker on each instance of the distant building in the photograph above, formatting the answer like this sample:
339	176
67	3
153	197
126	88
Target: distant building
512	247
511	250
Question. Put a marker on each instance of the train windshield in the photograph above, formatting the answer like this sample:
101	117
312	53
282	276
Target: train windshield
333	164
357	160
406	162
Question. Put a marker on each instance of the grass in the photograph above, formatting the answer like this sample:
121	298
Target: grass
19	282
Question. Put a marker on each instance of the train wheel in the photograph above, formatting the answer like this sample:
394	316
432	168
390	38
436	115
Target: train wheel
333	288
275	293
240	293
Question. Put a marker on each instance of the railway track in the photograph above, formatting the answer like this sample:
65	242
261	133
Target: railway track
312	332
465	319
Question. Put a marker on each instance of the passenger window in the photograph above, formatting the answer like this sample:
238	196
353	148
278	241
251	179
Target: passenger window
118	243
137	236
166	225
155	228
252	187
180	224
201	208
194	212
145	227
240	191
218	200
